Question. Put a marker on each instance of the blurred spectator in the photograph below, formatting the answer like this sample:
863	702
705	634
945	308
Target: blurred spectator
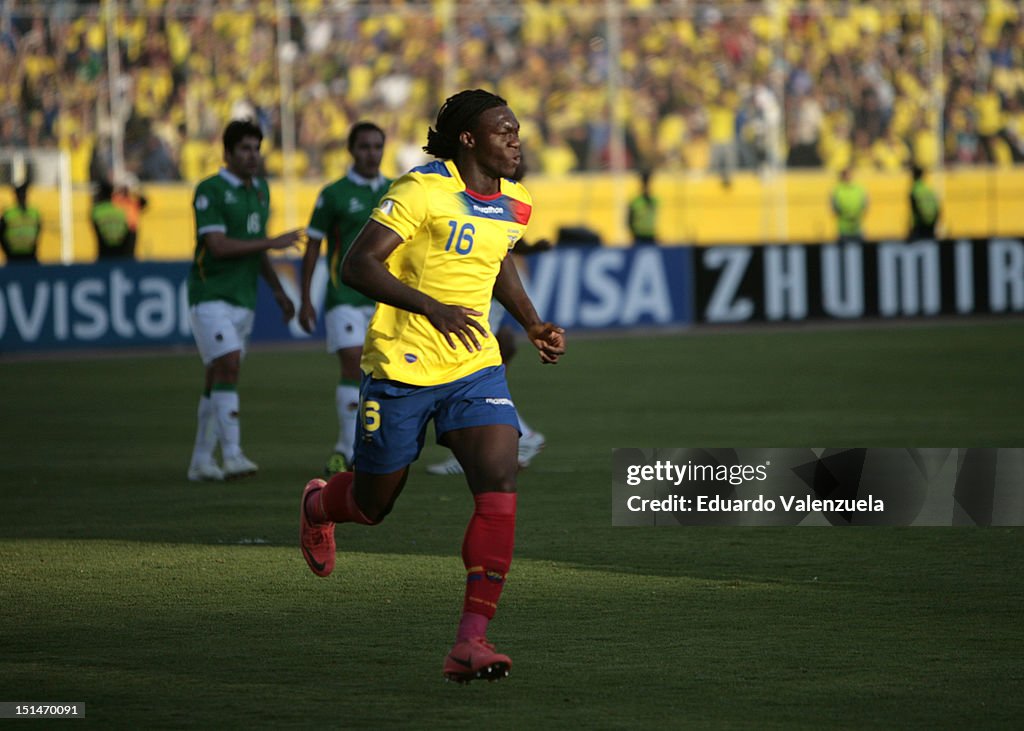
804	130
20	226
101	163
722	136
987	108
868	118
837	147
12	131
890	154
925	144
156	162
863	155
1014	129
556	156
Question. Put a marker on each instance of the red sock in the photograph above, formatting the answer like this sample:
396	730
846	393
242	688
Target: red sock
487	555
471	625
336	501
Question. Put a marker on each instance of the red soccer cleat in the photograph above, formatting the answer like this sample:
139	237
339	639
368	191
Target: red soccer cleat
475	659
316	539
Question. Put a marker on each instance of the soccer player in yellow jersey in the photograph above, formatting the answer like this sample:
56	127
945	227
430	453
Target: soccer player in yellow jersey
432	253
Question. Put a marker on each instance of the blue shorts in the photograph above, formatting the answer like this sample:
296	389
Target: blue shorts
393	416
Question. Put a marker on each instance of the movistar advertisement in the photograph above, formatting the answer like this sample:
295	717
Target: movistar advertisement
93	306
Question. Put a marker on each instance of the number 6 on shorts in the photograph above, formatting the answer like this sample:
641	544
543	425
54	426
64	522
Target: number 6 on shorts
371	416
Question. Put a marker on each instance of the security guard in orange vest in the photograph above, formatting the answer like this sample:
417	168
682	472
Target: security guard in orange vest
111	226
127	198
20	227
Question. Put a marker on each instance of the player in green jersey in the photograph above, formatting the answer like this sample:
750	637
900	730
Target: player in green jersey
231	210
340	212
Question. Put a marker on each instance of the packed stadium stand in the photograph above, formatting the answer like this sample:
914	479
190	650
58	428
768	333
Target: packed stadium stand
676	86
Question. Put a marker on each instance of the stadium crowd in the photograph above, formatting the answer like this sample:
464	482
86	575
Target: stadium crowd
696	85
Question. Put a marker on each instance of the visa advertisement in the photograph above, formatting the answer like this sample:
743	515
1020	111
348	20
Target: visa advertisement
131	304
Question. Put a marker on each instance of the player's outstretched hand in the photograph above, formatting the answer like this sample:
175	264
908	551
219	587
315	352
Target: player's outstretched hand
307	317
549	340
288	239
458	321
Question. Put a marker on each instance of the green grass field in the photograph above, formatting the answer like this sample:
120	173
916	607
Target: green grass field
159	603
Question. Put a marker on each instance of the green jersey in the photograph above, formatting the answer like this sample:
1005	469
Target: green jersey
224	203
341	210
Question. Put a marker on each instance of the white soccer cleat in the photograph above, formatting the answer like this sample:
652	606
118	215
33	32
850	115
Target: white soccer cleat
529	447
240	466
450	466
205	472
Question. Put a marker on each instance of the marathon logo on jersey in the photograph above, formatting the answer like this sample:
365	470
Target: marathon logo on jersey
501	208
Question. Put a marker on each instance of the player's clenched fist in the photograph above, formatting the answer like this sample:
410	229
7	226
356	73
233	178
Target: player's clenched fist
549	340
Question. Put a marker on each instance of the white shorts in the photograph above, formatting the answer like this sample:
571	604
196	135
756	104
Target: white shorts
496	317
220	328
346	326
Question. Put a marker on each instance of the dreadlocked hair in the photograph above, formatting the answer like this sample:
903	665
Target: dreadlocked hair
458	114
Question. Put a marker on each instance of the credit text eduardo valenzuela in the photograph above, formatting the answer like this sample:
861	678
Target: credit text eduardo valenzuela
666	471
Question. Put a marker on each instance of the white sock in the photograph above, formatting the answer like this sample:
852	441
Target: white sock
225	408
523	427
206	432
346	399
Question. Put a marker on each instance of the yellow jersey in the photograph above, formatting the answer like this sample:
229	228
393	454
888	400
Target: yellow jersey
453	243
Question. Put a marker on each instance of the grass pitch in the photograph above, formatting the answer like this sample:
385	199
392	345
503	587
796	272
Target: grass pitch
159	603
